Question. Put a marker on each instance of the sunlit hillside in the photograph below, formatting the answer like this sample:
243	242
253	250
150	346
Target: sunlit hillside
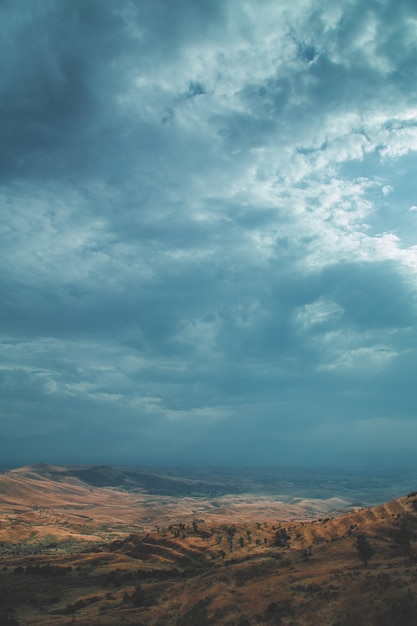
357	568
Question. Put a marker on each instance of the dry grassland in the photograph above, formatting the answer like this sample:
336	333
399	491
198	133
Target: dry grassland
63	565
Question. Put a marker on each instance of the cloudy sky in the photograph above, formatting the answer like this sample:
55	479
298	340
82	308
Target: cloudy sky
208	214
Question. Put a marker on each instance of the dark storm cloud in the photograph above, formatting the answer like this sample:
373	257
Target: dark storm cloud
54	53
206	234
66	64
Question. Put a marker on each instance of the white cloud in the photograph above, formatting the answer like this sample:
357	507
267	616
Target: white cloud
387	189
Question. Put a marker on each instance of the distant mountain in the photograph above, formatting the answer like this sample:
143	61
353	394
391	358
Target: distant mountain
129	479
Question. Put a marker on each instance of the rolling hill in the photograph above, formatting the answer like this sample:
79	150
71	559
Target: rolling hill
352	569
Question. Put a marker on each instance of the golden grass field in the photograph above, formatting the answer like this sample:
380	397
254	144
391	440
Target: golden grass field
76	554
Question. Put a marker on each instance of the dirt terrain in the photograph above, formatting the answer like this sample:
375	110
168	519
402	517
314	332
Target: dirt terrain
73	553
92	503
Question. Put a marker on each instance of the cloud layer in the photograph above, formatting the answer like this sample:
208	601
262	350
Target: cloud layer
208	231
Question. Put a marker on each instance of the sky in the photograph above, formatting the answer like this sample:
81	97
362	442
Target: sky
208	214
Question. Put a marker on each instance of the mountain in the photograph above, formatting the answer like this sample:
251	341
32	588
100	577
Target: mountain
90	501
91	563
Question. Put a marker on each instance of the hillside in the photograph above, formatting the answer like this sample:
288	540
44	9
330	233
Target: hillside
239	571
91	503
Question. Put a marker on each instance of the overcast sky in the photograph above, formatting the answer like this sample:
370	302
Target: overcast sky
208	231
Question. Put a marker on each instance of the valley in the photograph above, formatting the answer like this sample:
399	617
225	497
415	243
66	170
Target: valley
99	545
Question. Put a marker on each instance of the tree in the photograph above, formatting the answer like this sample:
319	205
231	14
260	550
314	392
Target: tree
307	553
402	537
231	531
282	538
138	597
364	548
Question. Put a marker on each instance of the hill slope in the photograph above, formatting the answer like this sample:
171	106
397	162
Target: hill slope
234	573
71	503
